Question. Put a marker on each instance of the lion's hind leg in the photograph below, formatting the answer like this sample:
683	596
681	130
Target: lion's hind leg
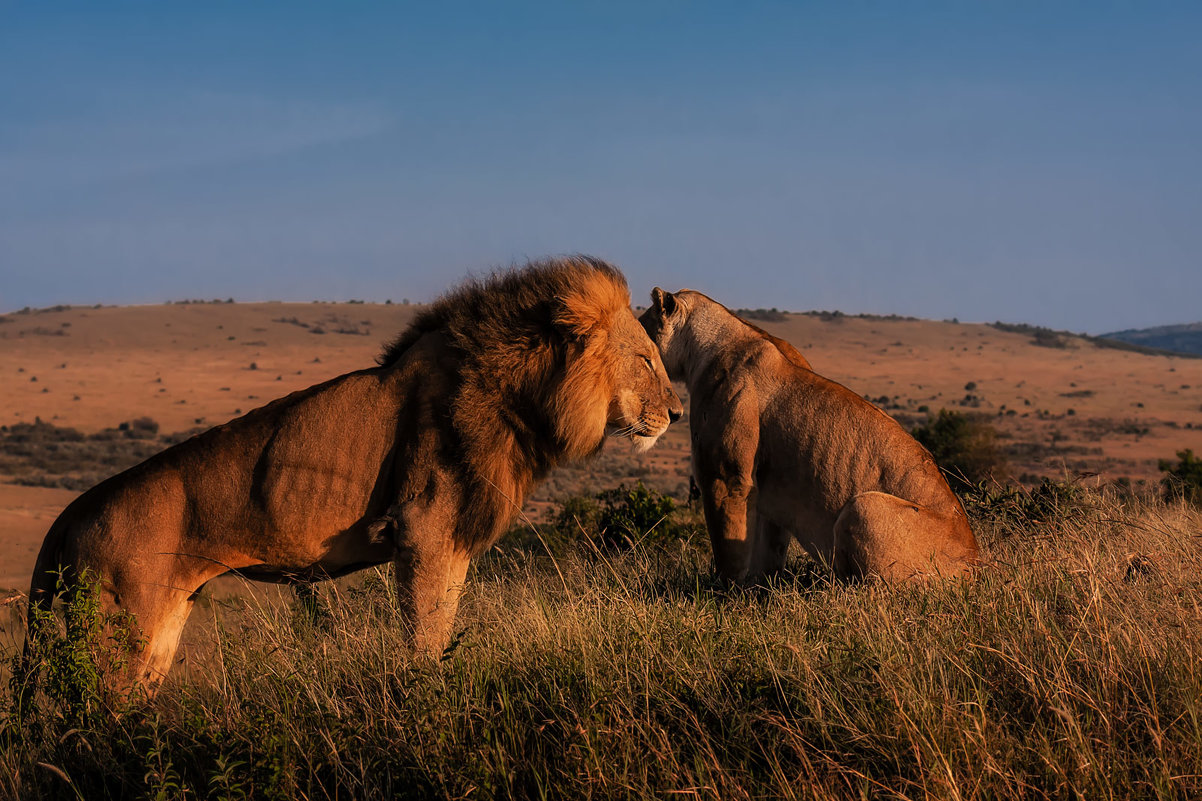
143	624
145	604
883	535
127	633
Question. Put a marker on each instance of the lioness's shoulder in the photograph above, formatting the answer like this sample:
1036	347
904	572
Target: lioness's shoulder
784	347
769	355
791	354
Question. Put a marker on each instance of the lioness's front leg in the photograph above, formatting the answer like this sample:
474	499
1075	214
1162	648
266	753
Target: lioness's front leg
725	475
769	547
726	505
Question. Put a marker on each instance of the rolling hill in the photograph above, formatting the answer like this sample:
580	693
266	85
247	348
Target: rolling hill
1063	405
1184	338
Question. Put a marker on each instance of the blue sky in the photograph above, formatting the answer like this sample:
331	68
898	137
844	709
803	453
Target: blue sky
1035	162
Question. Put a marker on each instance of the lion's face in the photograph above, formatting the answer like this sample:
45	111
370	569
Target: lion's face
643	403
614	378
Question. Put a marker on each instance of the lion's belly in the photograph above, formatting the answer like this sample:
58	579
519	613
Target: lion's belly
317	555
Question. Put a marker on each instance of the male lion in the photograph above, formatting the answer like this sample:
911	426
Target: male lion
779	450
423	460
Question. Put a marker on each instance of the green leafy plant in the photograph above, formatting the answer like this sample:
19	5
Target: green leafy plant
630	515
64	667
612	519
1016	508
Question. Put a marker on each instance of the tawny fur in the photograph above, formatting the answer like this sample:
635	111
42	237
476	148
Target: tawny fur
779	452
422	461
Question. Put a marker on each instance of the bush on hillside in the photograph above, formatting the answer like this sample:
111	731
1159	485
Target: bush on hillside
141	428
964	446
42	454
763	315
1183	479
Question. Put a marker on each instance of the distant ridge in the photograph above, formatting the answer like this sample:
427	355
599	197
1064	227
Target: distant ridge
1051	338
1184	338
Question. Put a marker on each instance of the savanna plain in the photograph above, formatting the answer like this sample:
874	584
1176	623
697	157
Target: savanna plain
594	655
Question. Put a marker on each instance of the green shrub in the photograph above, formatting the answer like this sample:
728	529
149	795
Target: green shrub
1184	479
577	513
631	515
964	446
613	519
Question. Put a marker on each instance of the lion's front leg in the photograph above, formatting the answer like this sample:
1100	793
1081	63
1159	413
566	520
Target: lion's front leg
429	571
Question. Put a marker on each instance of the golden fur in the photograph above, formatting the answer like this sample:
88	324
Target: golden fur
780	451
422	461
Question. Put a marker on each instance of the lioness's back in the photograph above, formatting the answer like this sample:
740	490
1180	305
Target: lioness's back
843	443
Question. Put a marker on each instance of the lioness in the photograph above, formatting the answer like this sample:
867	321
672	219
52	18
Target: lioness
779	450
423	460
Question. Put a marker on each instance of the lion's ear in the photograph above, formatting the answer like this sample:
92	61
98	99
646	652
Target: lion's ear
665	302
590	305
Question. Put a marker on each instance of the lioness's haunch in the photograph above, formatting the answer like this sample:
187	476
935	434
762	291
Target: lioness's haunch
780	451
422	460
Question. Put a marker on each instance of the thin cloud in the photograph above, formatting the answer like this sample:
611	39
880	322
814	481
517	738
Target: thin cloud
127	138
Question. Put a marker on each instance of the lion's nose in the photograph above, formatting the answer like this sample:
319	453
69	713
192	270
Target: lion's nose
674	415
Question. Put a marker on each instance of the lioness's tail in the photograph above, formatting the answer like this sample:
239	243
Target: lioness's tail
47	572
48	575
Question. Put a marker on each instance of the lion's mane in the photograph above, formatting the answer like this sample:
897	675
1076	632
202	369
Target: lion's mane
535	365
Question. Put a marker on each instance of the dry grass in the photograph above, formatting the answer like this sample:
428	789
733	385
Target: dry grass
1072	667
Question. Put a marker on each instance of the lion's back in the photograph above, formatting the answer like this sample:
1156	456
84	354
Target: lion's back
234	483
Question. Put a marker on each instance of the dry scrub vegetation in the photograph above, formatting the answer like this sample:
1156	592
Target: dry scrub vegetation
1071	667
41	454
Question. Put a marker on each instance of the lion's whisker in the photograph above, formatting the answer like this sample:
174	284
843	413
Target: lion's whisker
636	427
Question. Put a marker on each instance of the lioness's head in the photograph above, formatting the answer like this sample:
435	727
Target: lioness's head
614	377
668	315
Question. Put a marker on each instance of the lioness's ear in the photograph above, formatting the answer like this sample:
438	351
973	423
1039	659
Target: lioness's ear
665	302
